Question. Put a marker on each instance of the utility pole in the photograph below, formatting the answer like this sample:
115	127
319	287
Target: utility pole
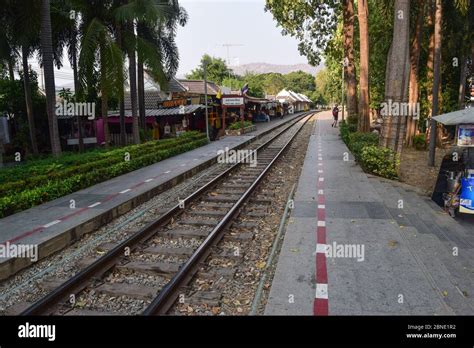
345	63
342	97
205	101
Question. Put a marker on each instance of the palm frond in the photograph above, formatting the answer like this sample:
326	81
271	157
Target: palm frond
89	48
152	58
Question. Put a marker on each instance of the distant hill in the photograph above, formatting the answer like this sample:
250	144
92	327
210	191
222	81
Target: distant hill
263	68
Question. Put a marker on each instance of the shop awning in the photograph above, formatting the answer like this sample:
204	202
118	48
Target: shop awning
256	100
465	116
188	109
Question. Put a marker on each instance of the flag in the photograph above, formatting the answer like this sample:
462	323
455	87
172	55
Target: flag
245	89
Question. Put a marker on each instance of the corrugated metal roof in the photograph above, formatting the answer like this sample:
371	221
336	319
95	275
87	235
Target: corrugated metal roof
188	109
465	116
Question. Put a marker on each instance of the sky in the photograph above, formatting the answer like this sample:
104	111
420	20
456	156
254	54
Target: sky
213	23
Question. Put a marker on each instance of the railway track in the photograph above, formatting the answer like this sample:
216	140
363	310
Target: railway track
154	264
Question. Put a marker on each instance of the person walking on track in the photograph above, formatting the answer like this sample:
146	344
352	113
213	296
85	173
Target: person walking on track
335	115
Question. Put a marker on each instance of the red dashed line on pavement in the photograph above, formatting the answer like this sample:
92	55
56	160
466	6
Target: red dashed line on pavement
321	299
41	228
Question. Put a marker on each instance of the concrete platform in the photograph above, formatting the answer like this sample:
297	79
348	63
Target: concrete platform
54	225
406	263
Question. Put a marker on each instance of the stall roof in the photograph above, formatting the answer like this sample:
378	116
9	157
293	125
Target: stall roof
188	109
465	116
197	87
257	100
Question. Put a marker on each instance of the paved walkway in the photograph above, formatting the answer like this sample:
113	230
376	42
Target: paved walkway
391	252
54	224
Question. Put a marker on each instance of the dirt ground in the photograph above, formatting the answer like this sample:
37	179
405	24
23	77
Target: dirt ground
414	169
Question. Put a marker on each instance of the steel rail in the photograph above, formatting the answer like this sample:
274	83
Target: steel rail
79	281
167	296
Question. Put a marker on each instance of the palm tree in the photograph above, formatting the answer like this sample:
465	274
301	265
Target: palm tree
24	38
397	76
25	52
100	53
155	22
71	36
120	43
364	112
50	89
7	51
132	69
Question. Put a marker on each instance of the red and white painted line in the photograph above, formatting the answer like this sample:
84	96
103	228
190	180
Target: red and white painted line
321	299
41	228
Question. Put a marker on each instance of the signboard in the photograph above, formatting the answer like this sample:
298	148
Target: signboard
174	103
233	101
466	135
466	201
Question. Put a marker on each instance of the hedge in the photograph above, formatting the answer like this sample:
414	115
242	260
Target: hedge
49	165
59	186
373	159
32	177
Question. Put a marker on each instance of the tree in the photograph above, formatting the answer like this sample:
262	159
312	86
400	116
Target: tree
314	24
397	76
47	57
300	82
152	46
350	69
414	86
364	98
326	87
158	32
19	37
217	70
311	23
273	83
436	74
100	55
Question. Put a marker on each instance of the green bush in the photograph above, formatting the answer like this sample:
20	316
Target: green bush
238	125
344	131
373	159
47	166
380	161
22	178
352	120
358	141
419	142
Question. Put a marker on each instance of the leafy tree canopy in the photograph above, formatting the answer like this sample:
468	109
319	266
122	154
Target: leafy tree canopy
217	70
